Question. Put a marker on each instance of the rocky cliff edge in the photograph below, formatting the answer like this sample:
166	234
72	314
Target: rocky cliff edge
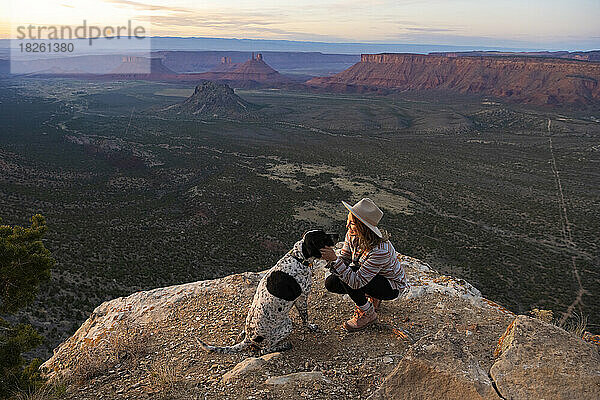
435	341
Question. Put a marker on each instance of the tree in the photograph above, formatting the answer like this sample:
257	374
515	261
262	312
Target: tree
24	264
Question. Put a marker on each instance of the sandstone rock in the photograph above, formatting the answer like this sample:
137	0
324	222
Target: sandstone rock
296	377
213	99
254	70
248	365
515	78
541	361
142	65
170	316
591	338
270	356
437	367
144	309
151	308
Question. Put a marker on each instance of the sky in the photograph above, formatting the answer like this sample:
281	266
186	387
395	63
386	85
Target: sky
540	24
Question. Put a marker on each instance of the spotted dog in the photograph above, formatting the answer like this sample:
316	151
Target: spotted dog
286	284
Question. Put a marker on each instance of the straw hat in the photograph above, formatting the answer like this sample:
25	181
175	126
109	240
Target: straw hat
367	212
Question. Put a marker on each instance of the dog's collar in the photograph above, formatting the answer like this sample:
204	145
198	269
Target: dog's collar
301	261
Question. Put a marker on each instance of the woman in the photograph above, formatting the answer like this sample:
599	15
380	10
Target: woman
376	272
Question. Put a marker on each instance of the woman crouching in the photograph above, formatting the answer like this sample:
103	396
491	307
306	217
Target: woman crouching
367	268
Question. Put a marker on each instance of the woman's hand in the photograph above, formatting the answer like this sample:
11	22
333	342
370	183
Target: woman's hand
327	253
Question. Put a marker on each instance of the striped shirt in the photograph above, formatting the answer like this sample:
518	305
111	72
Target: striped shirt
381	260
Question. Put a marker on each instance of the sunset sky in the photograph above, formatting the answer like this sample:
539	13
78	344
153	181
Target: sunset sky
549	24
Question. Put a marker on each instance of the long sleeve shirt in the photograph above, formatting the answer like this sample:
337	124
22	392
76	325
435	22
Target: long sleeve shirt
381	260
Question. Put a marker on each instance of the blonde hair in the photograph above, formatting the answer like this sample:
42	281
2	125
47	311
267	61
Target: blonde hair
367	239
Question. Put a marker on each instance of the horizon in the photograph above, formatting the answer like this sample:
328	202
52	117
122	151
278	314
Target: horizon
536	25
200	43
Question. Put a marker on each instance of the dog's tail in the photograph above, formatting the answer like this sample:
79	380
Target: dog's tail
241	346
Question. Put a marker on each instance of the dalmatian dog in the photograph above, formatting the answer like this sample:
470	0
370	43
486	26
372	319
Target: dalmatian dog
285	285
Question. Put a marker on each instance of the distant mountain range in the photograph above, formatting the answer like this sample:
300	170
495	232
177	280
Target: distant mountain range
103	46
295	63
541	78
304	63
253	73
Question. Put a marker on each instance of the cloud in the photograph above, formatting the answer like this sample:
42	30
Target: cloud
146	7
383	21
230	26
203	21
187	21
295	21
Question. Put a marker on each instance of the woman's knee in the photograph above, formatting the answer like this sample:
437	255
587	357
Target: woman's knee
334	284
380	288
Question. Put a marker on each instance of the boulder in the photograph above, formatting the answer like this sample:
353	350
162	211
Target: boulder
296	377
538	360
142	310
437	367
247	365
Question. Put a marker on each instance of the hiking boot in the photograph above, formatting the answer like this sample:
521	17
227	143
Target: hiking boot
361	319
376	302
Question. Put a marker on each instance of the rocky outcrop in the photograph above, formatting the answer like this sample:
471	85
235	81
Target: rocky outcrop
439	366
252	72
538	360
226	65
248	365
212	99
132	66
435	341
145	309
296	377
532	80
218	61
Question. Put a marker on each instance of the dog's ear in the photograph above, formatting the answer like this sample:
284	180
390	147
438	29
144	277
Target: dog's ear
311	231
311	243
314	241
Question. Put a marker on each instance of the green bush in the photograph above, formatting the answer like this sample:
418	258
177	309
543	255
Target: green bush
24	264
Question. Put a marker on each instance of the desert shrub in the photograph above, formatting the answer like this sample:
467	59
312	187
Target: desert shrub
24	264
126	344
45	392
575	325
163	376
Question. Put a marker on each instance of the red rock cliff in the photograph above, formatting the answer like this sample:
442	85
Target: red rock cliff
522	79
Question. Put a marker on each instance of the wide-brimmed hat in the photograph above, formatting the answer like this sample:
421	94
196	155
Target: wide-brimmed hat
367	212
